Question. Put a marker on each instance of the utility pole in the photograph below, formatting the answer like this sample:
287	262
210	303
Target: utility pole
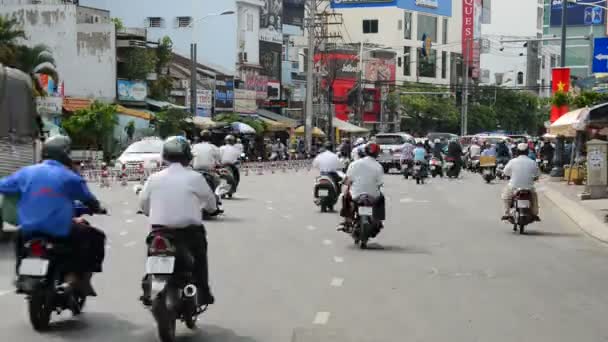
360	102
193	79
312	9
465	90
564	32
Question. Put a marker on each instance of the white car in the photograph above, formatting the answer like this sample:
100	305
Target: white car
146	152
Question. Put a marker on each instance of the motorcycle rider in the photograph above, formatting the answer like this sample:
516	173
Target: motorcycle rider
523	172
364	176
173	199
328	163
474	149
206	158
48	192
345	148
503	152
229	156
407	153
358	151
438	150
239	145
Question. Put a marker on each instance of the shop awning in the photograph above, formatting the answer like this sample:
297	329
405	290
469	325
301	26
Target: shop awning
348	127
598	116
134	113
204	122
162	104
274	126
568	123
291	123
72	104
316	132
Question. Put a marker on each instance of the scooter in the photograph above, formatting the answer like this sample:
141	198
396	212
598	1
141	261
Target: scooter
227	186
436	167
419	172
487	166
365	226
451	167
521	214
327	192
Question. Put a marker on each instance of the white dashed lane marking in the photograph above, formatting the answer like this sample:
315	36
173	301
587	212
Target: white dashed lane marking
311	228
338	259
129	221
337	282
321	318
123	233
130	244
328	242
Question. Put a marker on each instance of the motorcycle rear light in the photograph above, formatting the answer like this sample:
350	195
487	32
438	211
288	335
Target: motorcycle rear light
159	244
37	249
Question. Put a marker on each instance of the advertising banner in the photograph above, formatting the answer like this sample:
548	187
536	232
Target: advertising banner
362	3
293	12
338	64
271	21
579	15
224	93
245	101
471	34
270	60
257	83
132	91
380	70
204	102
435	7
560	83
49	105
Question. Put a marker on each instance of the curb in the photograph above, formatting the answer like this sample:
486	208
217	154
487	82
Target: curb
581	216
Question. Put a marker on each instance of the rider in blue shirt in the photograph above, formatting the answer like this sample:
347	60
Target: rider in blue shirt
48	192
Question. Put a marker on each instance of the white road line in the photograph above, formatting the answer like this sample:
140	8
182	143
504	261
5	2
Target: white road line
130	244
311	227
338	259
268	202
287	217
123	233
270	208
337	282
328	242
125	203
3	293
321	318
129	221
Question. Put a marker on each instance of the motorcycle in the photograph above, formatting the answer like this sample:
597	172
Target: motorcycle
42	276
170	282
488	165
407	168
545	165
474	164
227	186
521	214
211	179
327	192
436	167
452	170
419	172
365	226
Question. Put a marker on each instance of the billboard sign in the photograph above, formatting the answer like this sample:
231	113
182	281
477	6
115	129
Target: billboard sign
471	34
435	7
380	70
362	3
578	14
204	102
245	101
600	55
270	60
271	21
293	12
132	91
49	105
224	93
338	64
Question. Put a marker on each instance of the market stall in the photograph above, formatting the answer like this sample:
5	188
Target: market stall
569	123
316	132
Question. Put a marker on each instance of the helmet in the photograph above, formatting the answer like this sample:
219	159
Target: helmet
230	139
58	148
177	150
522	149
238	140
328	146
372	150
437	141
206	136
359	141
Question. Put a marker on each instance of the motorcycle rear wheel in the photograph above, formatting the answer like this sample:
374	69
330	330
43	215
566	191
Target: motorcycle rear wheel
191	322
39	312
165	320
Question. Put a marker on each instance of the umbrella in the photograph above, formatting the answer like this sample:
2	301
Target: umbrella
242	128
316	132
568	123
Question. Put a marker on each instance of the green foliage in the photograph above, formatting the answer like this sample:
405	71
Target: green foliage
259	125
138	63
425	113
560	98
9	34
118	24
161	87
171	121
588	99
130	129
164	53
93	126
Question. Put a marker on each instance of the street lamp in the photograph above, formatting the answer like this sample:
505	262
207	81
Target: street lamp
193	74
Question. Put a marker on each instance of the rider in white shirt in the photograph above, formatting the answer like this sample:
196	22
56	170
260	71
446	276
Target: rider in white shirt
173	199
523	172
328	163
358	149
206	155
474	150
229	156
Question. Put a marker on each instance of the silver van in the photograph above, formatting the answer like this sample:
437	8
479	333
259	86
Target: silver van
391	145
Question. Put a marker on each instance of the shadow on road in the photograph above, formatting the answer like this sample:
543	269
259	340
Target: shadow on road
551	234
92	324
212	333
237	199
231	219
376	247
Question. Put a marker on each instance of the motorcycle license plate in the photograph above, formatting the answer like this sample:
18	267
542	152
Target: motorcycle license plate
34	267
450	164
487	172
366	211
546	162
538	160
417	167
160	265
523	204
323	192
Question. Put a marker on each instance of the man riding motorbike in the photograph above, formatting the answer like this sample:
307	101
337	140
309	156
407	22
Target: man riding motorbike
364	177
523	172
407	156
206	157
328	163
173	199
455	151
503	152
547	152
358	151
48	194
229	156
438	150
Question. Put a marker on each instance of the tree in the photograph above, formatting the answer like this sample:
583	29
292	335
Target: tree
588	99
138	63
171	121
161	87
118	24
426	113
9	34
93	127
36	60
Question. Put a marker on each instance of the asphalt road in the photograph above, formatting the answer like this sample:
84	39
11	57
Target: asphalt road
444	269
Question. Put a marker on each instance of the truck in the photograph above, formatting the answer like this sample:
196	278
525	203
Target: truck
20	135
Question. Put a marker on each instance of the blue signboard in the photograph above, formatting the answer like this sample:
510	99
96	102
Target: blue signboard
436	7
579	14
600	55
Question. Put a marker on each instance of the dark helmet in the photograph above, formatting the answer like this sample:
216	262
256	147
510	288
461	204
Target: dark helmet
372	150
177	150
230	139
206	136
328	146
59	148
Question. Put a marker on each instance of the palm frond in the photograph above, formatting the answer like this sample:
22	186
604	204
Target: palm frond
9	31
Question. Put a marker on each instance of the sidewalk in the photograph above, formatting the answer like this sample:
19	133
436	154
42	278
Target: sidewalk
589	215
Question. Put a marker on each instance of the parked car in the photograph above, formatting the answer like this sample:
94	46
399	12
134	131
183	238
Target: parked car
146	152
391	145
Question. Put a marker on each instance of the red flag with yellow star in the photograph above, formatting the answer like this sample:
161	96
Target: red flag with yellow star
560	83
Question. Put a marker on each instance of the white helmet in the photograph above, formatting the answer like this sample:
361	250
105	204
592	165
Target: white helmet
522	147
359	141
437	141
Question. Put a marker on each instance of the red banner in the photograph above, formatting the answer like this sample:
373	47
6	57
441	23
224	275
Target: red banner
468	28
560	83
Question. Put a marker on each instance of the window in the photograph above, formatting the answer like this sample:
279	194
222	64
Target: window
520	78
427	65
184	21
407	34
444	33
155	22
370	26
250	22
399	62
427	25
400	25
407	61
444	64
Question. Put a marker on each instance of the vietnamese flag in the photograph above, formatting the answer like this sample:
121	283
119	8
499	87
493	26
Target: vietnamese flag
560	83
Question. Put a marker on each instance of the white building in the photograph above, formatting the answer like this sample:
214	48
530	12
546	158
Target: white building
82	41
403	30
